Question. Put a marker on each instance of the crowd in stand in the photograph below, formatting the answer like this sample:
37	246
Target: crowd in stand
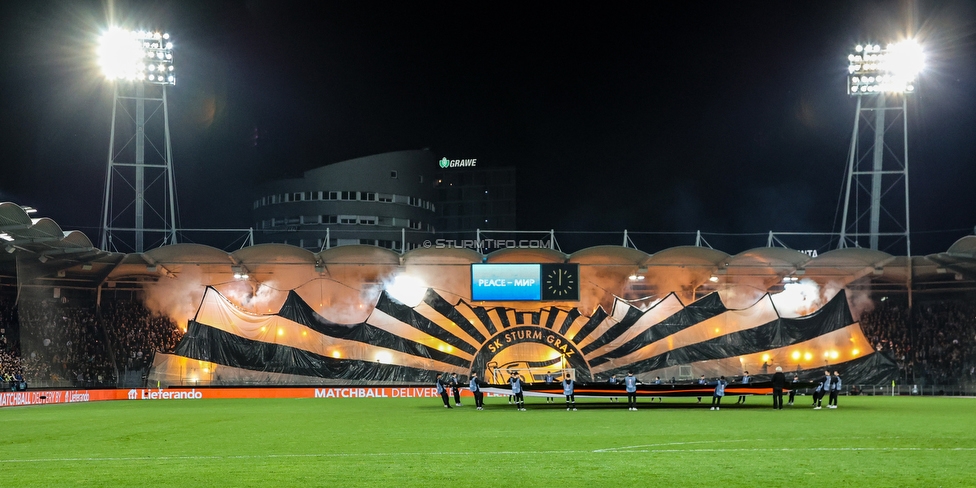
59	343
933	344
63	342
10	365
136	333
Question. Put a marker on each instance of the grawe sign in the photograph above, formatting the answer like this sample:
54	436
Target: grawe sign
445	163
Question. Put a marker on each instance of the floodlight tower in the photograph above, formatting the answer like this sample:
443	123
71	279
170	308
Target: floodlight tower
140	65
877	167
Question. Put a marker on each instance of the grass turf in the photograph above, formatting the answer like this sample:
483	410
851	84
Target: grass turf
868	441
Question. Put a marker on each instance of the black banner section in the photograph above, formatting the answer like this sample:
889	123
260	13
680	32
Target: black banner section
670	390
872	369
296	310
502	313
568	321
485	319
630	318
447	310
699	311
551	318
409	316
773	335
206	343
595	320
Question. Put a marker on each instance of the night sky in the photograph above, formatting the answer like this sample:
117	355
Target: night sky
728	117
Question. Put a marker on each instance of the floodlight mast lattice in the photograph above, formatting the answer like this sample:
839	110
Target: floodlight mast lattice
137	62
874	168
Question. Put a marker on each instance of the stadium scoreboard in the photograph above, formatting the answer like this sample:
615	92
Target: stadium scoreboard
525	282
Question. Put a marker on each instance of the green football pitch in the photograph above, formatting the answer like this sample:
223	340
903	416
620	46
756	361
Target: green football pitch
868	441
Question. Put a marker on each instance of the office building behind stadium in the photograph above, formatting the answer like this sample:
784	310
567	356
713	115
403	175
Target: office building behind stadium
396	200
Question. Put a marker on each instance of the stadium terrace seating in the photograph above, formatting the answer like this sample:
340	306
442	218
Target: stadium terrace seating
933	345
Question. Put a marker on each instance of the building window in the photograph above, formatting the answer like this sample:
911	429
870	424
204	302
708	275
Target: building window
393	174
348	219
384	197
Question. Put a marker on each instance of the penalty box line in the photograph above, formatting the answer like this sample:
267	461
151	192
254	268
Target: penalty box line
471	453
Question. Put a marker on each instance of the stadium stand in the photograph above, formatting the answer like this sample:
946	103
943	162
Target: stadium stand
935	344
136	333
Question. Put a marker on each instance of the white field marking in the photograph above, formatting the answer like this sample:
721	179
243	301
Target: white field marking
723	441
472	453
716	441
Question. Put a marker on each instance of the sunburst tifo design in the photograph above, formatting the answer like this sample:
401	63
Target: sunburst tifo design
403	344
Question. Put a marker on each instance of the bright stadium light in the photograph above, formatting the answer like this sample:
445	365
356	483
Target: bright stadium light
135	55
893	69
407	290
140	193
881	79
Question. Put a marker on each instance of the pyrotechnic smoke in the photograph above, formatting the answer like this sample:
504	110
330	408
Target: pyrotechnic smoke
743	292
179	297
678	280
259	298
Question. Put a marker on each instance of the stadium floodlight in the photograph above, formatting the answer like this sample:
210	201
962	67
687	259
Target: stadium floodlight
137	56
139	63
893	69
881	80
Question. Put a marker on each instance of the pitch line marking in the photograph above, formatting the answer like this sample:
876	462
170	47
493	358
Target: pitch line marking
471	453
717	441
724	441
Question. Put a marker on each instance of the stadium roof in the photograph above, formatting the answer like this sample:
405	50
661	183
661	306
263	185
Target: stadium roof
38	251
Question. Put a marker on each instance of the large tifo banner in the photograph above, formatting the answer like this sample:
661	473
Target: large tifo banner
40	397
401	343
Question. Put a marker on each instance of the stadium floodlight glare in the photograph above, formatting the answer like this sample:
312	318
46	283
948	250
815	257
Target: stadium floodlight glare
136	56
893	69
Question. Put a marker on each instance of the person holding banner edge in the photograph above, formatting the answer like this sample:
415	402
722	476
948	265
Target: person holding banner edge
442	389
456	389
479	396
630	384
517	385
569	391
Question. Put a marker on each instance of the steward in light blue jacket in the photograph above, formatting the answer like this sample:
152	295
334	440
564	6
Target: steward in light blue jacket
720	387
568	386
745	381
630	382
835	384
479	396
719	393
516	384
